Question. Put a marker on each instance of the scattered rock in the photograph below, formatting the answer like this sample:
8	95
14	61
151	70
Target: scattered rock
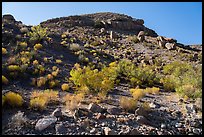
198	104
170	46
100	116
57	113
95	108
142	120
45	122
163	126
154	105
141	111
191	108
113	35
93	131
134	132
114	110
108	131
60	129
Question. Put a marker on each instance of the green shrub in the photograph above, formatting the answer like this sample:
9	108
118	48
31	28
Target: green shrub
184	78
137	75
96	81
37	34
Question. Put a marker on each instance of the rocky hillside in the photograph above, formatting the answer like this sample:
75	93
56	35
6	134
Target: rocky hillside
98	74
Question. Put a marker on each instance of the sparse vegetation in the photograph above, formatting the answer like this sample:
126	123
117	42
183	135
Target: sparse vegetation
4	80
13	99
128	104
37	34
40	99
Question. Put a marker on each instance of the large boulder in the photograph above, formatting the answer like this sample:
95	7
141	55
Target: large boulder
45	122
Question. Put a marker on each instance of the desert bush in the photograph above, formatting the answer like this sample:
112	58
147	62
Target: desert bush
14	68
169	82
153	90
4	80
35	62
53	83
58	61
3	99
96	81
72	101
128	104
137	75
37	46
145	106
4	51
23	44
40	99
137	93
65	87
13	99
189	90
38	103
37	34
184	78
41	81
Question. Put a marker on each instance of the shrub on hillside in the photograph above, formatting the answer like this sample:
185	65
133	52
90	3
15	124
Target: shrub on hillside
37	34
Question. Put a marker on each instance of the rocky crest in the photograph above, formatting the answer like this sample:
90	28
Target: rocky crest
103	20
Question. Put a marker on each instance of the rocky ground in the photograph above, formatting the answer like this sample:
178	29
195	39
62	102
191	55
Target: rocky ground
113	37
168	115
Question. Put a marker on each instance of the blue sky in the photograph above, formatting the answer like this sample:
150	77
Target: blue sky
179	20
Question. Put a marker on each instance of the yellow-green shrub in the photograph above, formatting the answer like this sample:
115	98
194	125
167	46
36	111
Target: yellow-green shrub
4	80
14	68
72	101
4	51
3	99
137	93
153	90
96	81
39	103
129	104
65	87
23	44
41	81
58	61
13	99
37	34
40	99
38	46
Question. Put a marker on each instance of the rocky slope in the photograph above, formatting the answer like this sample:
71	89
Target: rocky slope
96	40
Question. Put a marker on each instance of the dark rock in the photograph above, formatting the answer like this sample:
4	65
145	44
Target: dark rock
57	113
60	129
114	110
95	108
8	17
100	116
141	111
142	120
108	131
